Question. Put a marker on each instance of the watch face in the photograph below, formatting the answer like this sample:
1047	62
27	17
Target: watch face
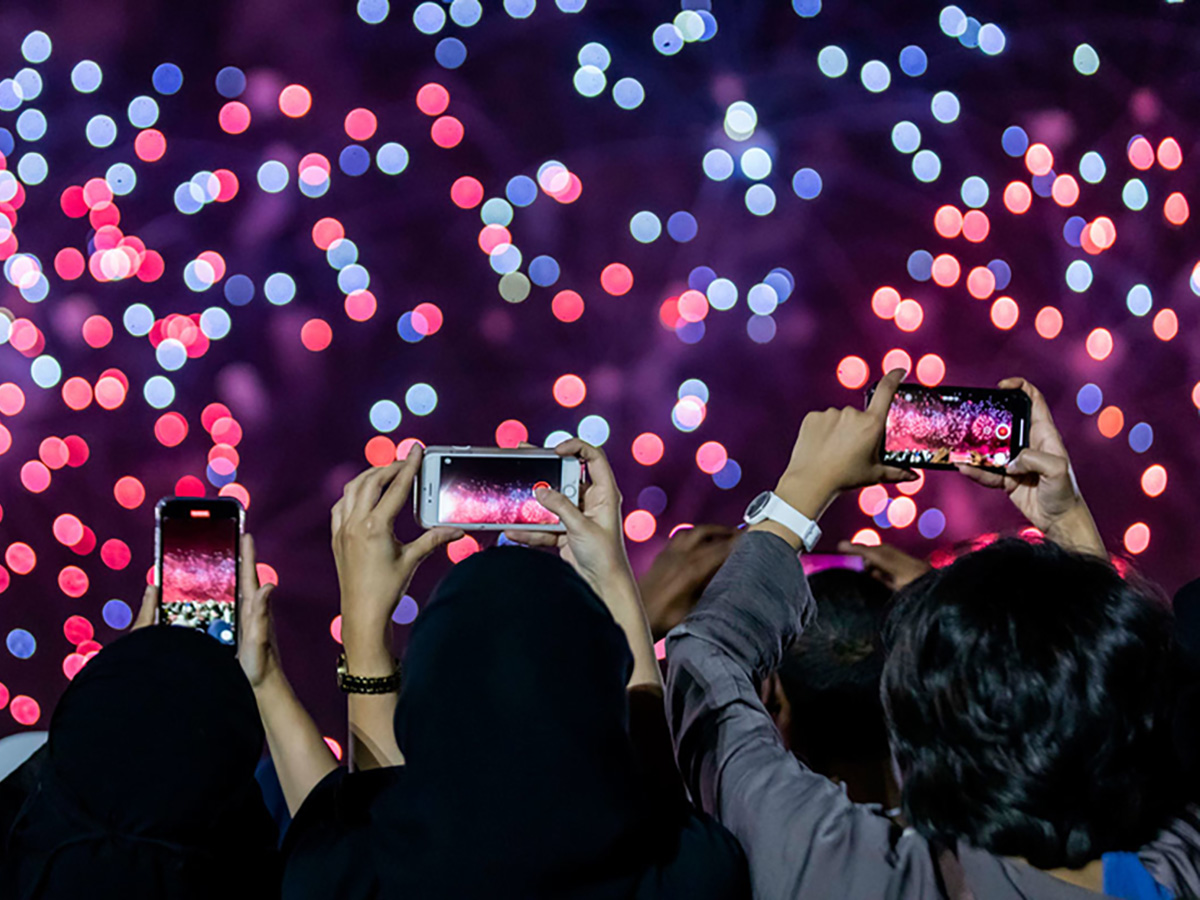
758	504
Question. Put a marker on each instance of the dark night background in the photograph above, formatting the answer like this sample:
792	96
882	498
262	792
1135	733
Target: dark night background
305	414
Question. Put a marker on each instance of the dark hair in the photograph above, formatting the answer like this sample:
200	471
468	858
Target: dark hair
831	674
1029	692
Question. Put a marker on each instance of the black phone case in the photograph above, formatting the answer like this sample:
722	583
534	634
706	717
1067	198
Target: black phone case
1022	409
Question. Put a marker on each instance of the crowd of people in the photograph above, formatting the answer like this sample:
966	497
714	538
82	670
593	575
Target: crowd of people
1020	723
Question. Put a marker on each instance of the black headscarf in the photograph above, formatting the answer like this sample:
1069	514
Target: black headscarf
146	787
520	778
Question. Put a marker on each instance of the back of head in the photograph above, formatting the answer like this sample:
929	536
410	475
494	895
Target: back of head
513	719
831	674
1029	694
149	773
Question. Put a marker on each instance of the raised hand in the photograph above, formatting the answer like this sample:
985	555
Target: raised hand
892	566
594	542
257	651
838	450
148	611
1041	482
681	571
374	567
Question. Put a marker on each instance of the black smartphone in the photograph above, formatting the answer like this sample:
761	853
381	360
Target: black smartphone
940	427
197	561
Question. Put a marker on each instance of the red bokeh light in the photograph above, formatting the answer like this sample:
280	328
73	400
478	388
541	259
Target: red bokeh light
234	117
266	574
35	476
511	433
1154	480
616	279
1141	154
981	283
648	448
150	145
1049	322
492	236
1137	539
1065	190
380	451
97	330
129	492
897	359
238	492
711	457
1176	209
68	530
447	132
12	399
884	302
1170	155
226	430
115	553
1099	344
946	270
640	526
1111	421
73	581
433	99
1166	325
692	306
189	486
294	101
360	124
931	369
873	499
909	315
466	192
567	306
77	629
976	226
77	393
170	429
853	372
569	390
73	203
110	393
866	537
212	413
948	221
20	558
316	335
360	305
1017	197
459	550
427	318
1005	313
25	710
902	512
1039	160
326	231
69	264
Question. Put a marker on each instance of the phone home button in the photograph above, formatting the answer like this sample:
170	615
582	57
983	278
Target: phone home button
569	490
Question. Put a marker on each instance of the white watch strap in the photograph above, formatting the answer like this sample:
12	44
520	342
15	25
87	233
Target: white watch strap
779	510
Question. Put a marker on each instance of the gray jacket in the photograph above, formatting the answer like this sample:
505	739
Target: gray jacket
804	838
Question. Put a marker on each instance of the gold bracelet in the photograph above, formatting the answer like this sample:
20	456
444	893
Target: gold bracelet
357	684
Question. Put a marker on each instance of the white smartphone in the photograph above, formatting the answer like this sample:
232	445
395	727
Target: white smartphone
489	489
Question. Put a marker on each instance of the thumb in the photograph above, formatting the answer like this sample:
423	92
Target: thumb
148	609
1038	462
567	511
418	550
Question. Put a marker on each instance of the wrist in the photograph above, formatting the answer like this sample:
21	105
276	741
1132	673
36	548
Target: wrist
1076	530
272	684
806	493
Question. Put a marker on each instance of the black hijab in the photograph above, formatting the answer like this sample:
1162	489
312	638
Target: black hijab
520	778
146	787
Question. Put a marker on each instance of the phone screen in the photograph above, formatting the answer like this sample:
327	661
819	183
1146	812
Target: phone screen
198	566
930	427
496	490
819	562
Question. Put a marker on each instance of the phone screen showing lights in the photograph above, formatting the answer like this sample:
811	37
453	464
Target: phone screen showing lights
496	490
943	427
198	567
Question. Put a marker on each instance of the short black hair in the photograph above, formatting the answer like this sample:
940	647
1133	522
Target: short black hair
1029	696
831	673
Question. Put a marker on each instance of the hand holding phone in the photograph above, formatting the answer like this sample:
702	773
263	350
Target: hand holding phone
491	489
374	567
1041	482
197	562
594	538
944	427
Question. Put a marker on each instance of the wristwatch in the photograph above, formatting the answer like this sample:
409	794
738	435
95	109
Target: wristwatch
769	505
356	684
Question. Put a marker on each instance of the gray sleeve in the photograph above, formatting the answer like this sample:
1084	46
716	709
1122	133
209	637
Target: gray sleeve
801	834
1173	858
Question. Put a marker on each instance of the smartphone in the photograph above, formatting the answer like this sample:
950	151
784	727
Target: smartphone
197	558
485	489
940	427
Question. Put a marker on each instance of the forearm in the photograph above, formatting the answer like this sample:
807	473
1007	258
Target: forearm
1077	531
621	597
372	731
301	755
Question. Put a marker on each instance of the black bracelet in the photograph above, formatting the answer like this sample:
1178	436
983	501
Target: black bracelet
357	684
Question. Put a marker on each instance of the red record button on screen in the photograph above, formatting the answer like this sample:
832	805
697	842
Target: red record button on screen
541	484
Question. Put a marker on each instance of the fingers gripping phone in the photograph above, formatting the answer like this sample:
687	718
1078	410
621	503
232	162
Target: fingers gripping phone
485	489
941	427
197	562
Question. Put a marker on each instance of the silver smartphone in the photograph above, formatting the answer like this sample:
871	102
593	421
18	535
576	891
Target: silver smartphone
489	489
